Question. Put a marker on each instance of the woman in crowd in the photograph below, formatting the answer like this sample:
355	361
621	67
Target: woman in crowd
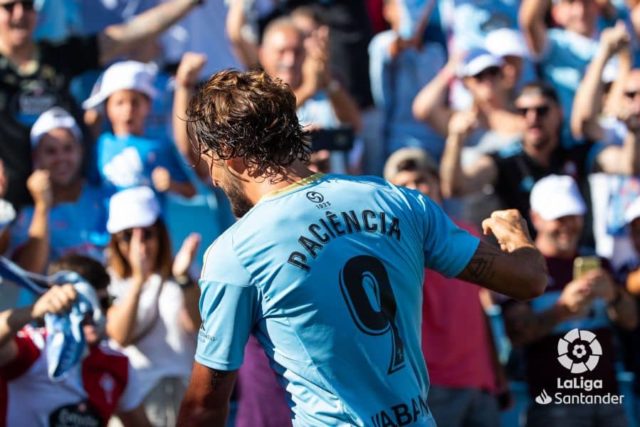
154	317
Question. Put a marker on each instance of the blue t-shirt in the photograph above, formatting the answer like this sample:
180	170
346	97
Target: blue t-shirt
564	63
78	227
327	274
128	161
395	82
474	19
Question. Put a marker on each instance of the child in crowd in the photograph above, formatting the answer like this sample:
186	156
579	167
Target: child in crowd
101	385
125	157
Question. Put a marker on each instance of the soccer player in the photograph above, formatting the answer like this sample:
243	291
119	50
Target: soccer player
325	270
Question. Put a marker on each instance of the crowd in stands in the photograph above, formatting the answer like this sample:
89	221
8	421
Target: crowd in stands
531	105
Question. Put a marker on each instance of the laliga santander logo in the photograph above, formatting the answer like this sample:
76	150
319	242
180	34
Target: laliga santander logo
579	351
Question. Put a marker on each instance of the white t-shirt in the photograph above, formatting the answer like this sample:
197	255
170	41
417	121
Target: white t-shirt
165	349
104	383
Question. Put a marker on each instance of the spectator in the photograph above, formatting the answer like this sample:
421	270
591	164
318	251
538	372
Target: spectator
630	274
103	385
155	316
514	170
563	53
461	393
126	158
52	227
591	301
322	101
398	68
35	76
493	123
610	113
491	110
509	45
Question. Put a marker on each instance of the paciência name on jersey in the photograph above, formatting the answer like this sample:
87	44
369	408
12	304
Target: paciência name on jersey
334	225
403	414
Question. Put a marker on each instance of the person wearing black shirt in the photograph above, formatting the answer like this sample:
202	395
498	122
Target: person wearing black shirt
513	170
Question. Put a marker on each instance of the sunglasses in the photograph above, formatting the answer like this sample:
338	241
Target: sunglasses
488	73
147	234
27	5
632	94
541	111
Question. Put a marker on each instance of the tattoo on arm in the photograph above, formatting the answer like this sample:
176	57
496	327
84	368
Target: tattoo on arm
218	377
481	269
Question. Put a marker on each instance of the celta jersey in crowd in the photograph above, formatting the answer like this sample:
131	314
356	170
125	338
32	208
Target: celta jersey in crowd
327	274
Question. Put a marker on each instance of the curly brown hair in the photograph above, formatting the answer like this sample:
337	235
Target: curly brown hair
247	115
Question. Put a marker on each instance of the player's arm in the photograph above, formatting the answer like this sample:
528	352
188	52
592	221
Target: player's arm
517	269
55	300
134	418
206	402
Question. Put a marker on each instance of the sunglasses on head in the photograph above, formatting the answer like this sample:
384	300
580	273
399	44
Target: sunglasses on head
27	5
147	234
541	110
487	73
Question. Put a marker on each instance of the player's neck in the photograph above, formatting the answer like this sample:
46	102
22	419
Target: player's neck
293	174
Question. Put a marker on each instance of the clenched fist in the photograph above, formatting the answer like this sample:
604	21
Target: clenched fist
509	228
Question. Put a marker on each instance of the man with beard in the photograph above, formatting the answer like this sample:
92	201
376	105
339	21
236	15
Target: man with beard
513	170
579	307
326	271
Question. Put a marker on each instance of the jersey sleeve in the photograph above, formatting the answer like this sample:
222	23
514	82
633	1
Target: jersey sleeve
447	248
228	306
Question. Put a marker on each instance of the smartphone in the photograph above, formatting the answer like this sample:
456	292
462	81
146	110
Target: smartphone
336	139
584	264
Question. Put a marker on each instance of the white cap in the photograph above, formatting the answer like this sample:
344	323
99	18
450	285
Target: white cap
133	207
555	196
123	75
506	42
54	118
476	61
632	212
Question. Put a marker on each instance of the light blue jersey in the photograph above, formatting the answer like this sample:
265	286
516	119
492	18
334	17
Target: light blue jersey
328	276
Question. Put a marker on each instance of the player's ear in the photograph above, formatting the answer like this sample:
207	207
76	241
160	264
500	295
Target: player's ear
236	166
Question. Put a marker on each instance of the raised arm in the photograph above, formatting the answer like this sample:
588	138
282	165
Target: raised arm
587	104
121	317
206	402
118	39
190	315
430	105
55	300
517	269
457	180
316	76
186	79
532	21
623	160
246	50
34	255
